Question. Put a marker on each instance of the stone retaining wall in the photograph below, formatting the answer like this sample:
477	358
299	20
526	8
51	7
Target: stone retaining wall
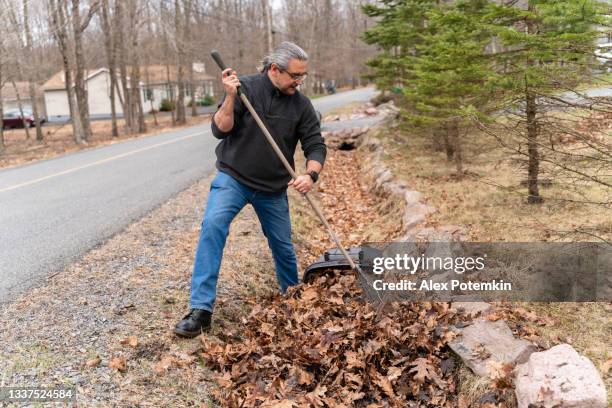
559	377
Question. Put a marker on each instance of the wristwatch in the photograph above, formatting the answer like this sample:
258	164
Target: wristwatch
313	175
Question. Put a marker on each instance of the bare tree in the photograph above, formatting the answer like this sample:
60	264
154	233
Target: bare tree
126	101
2	59
78	27
152	39
137	109
57	13
31	76
178	33
187	37
181	20
24	121
109	46
17	60
267	18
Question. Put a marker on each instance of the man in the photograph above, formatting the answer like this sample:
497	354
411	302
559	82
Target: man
251	173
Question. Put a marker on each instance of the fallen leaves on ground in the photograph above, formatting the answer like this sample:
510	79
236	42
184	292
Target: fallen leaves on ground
353	212
167	361
94	362
117	363
606	366
132	341
321	345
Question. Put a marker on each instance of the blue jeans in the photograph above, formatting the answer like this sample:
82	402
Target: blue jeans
226	198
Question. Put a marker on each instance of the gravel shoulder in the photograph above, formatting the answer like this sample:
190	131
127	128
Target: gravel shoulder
135	284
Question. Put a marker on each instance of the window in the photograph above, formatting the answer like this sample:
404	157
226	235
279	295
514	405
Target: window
148	94
169	91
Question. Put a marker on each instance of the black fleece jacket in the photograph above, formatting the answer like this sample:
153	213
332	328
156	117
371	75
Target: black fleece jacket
244	152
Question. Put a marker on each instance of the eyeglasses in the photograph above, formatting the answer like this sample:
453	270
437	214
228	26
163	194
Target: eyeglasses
295	76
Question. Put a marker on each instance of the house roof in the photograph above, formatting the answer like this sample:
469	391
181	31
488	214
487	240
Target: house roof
9	94
58	80
158	74
152	74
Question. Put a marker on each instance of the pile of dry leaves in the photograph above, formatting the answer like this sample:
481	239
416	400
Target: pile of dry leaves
322	345
354	213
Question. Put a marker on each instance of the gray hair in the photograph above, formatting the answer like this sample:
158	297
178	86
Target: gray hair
281	56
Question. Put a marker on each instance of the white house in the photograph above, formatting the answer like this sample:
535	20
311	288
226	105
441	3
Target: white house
158	82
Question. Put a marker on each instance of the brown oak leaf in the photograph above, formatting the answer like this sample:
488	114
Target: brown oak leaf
117	363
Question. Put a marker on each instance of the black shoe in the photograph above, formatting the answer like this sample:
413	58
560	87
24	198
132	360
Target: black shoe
197	321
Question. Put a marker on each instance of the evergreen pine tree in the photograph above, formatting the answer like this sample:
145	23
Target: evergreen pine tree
547	49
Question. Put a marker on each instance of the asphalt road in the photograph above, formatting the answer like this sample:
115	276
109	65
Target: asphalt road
53	211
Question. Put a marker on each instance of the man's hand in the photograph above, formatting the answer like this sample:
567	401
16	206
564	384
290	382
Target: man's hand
303	183
230	81
224	117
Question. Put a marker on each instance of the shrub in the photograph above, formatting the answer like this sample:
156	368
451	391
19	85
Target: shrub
207	101
167	105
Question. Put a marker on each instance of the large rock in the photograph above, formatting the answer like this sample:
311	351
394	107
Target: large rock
559	378
412	197
414	214
484	342
440	233
395	188
345	139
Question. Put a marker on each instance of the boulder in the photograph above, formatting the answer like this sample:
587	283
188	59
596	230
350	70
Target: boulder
440	233
485	344
560	378
412	197
414	214
394	188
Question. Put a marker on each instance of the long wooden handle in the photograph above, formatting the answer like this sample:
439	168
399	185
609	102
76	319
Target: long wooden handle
282	158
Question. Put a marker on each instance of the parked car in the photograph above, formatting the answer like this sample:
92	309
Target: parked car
13	119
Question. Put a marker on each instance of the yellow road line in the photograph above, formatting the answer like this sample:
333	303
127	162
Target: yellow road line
119	156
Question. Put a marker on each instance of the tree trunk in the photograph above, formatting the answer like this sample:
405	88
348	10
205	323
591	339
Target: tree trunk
127	99
1	105
58	22
448	147
455	139
26	126
80	72
109	45
136	98
39	133
77	126
180	45
32	89
190	56
170	89
267	17
192	84
532	149
532	130
113	85
146	71
137	109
